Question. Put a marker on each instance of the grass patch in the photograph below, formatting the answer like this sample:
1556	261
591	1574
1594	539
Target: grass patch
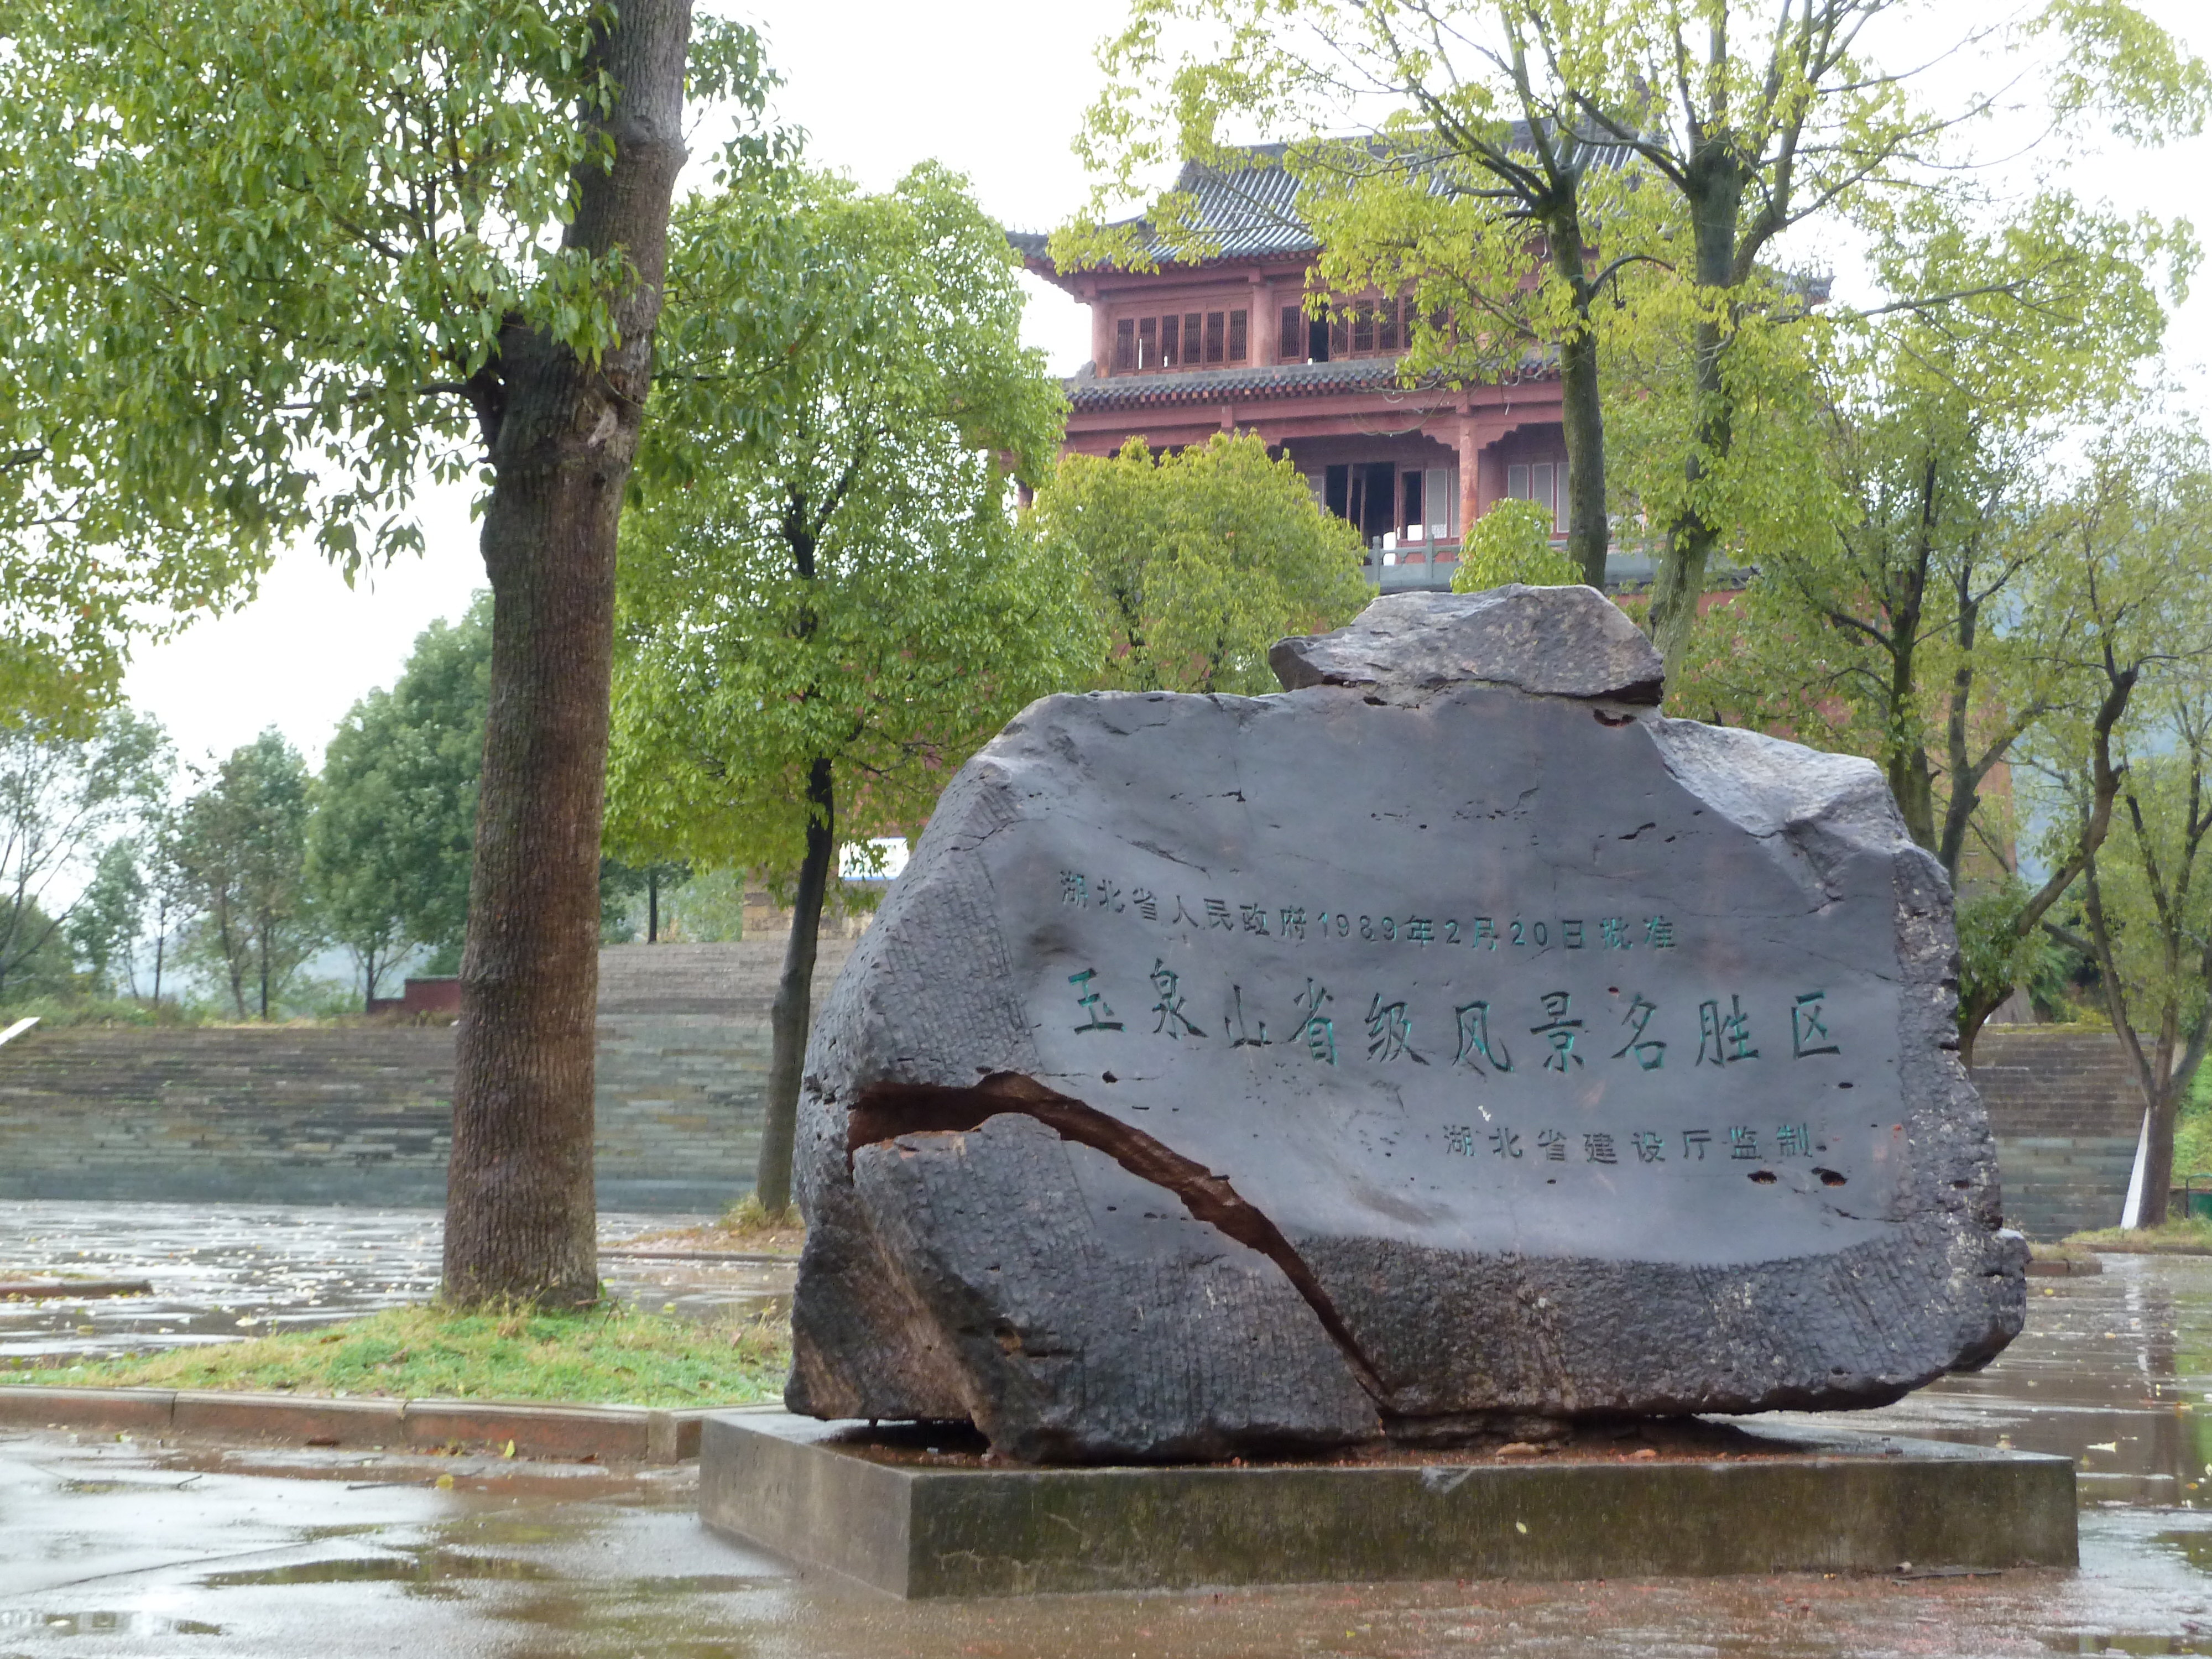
2175	1238
745	1225
614	1356
2069	1250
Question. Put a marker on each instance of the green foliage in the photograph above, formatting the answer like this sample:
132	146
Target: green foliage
104	923
1995	952
2192	1134
63	788
242	843
821	563
1678	140
227	325
608	1355
1908	600
395	809
1512	542
69	1005
707	909
1198	561
626	893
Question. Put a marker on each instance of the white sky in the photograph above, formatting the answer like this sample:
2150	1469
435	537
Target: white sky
995	88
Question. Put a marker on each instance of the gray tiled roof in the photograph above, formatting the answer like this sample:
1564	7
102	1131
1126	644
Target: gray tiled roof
1205	385
1252	212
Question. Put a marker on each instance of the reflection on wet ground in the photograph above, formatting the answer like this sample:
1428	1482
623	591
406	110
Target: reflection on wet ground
221	1272
2114	1370
112	1548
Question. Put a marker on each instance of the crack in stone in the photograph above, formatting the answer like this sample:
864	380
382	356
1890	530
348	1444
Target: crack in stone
884	1111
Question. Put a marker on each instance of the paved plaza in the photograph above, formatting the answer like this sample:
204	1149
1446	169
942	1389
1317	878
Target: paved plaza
111	1547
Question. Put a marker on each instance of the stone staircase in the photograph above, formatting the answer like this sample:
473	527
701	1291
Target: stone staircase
2065	1110
363	1115
733	981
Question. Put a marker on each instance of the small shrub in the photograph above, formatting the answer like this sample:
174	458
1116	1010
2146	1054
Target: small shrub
1512	542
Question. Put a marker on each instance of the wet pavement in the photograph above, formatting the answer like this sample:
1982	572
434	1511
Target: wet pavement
223	1272
114	1549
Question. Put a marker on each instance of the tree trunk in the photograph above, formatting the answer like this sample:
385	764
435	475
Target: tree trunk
2158	1167
1584	415
519	1215
1714	194
652	906
794	994
1581	399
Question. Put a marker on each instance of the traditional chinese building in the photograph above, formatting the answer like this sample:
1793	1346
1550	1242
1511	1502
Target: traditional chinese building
1223	343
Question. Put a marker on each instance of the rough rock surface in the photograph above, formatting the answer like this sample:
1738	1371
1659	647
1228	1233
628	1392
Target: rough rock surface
1558	641
1449	1043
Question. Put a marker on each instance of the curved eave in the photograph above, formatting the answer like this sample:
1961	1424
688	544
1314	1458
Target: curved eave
1087	393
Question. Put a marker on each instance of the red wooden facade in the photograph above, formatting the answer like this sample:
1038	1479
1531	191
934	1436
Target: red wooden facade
1223	344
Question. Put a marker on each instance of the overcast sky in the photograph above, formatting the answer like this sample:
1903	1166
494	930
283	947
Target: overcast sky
993	88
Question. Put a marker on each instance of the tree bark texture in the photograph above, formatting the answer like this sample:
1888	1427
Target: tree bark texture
1713	188
520	1219
793	1011
1588	530
1581	399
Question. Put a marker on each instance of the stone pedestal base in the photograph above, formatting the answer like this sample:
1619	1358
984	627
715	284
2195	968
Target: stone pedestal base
1838	1501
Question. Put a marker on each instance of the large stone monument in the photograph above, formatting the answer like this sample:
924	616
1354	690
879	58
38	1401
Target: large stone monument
1449	1043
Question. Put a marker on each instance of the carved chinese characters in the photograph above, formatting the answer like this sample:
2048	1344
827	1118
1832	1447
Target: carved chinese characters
1393	1054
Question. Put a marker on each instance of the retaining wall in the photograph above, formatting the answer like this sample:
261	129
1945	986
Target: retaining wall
364	1115
2066	1113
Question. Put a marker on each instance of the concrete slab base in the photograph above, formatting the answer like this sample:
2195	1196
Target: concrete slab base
1833	1501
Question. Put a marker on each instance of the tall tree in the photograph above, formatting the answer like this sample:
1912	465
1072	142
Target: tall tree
1198	561
242	841
1735	124
62	793
826	600
396	805
171	903
2144	887
1894	622
454	267
104	923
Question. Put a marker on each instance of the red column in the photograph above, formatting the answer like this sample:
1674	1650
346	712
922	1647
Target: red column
1470	453
1102	334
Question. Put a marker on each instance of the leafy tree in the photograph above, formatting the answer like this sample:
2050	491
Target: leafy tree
242	841
1895	623
170	898
619	884
2126	604
1733	125
826	602
1200	560
453	268
108	916
61	794
395	806
2146	900
1512	542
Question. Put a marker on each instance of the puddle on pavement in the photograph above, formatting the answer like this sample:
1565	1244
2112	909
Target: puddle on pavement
431	1566
2075	1643
2114	1370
